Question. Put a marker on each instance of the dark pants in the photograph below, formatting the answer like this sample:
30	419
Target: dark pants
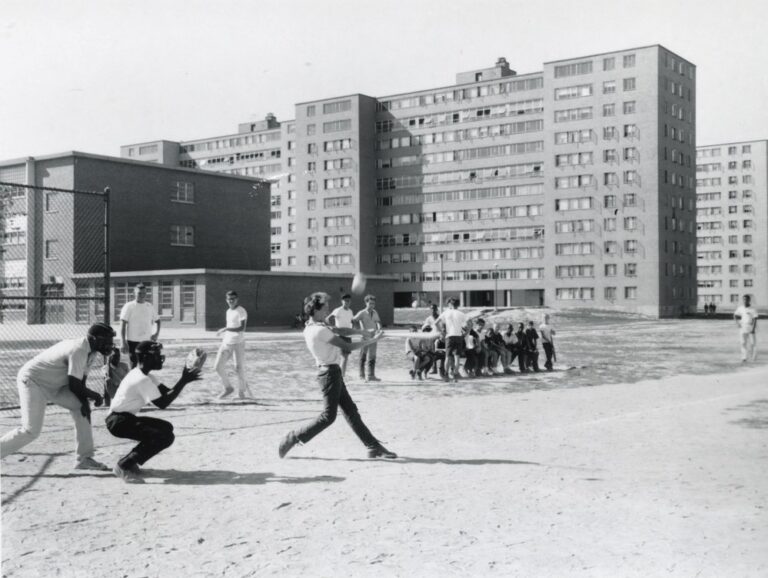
335	395
518	352
132	353
153	435
549	351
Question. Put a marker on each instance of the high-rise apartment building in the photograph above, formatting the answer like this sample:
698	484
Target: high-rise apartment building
571	187
732	223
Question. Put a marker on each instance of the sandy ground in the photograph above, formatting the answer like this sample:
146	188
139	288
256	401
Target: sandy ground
528	476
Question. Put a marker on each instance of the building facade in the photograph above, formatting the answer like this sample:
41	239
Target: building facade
573	186
162	218
732	223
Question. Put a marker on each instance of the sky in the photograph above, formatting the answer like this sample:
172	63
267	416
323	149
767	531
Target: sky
94	75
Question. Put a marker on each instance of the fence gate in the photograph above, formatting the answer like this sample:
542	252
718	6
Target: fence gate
54	267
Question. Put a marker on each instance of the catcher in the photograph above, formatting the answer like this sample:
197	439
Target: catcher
136	390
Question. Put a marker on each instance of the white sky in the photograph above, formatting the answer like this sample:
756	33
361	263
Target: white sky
93	75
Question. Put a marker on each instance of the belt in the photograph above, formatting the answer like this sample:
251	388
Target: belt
328	365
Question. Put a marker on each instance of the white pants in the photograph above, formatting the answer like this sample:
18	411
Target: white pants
237	351
33	400
748	346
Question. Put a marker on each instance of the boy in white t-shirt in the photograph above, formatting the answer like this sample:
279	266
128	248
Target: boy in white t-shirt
341	318
137	319
233	345
137	389
326	347
454	323
746	318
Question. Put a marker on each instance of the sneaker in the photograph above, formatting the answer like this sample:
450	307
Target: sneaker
413	374
418	375
90	464
379	451
288	442
373	378
128	475
227	392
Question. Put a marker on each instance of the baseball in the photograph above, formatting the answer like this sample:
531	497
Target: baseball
358	284
196	359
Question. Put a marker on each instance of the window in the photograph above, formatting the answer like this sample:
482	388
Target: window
188	299
609	87
629	60
183	235
610	293
610	133
312	260
747	282
183	192
51	201
311	110
274	248
339	106
312	224
311	129
609	201
573	91
629	107
337	125
165	299
609	224
630	269
52	249
630	130
575	69
630	292
571	114
630	223
630	246
311	204
611	269
746	149
312	148
609	63
629	84
609	109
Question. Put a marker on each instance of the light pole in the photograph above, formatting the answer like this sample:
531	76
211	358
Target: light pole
441	282
495	286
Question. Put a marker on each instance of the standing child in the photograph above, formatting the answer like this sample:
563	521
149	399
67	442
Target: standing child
233	345
547	341
369	322
341	317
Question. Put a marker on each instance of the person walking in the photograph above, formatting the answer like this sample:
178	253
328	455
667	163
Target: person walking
233	346
58	375
136	390
326	347
137	319
746	318
547	341
369	322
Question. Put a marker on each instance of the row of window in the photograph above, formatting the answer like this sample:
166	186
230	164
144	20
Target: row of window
482	236
478	132
463	195
461	215
330	107
717	255
466	175
510	86
231	142
123	292
717	151
735	298
588	135
718	284
717	181
747	269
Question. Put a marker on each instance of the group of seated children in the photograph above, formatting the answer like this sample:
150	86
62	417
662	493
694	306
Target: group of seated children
487	349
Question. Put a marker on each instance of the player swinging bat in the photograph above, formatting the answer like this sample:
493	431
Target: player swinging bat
136	390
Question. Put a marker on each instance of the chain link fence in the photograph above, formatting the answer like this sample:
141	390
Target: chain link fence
54	267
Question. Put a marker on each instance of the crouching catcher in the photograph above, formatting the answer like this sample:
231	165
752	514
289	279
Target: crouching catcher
135	391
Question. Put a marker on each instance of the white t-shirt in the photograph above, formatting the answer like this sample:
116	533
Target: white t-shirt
343	317
546	333
747	314
454	321
51	368
140	317
235	318
318	337
135	391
